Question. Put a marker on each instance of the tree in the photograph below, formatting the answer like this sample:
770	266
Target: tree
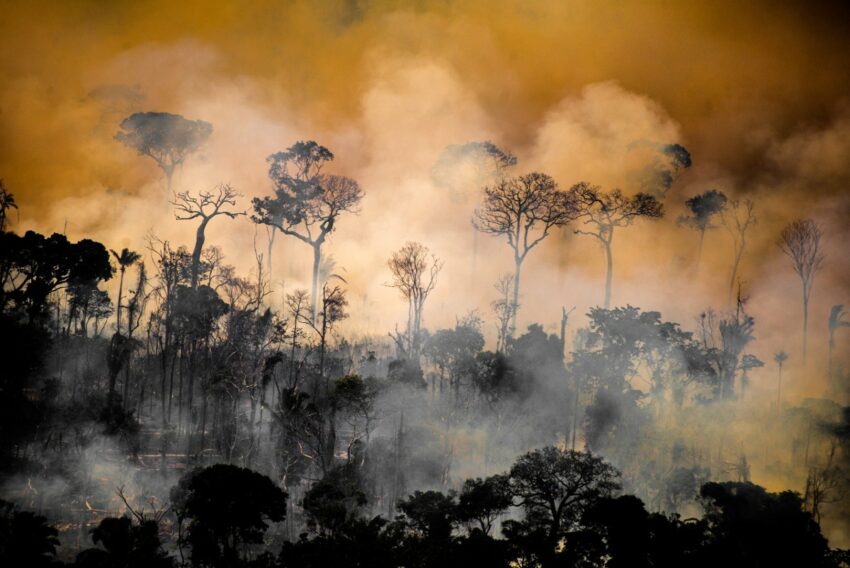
524	210
482	501
307	203
125	259
836	321
206	206
556	486
749	526
505	309
800	240
168	139
414	276
430	513
780	357
227	508
604	212
703	208
7	202
738	218
25	538
126	545
33	266
658	176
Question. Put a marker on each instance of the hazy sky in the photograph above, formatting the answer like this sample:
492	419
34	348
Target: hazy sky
757	91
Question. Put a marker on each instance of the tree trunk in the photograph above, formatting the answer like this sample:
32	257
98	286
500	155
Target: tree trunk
317	258
118	306
609	271
805	324
196	253
517	270
738	254
699	249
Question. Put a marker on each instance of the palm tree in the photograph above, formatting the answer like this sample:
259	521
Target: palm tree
780	357
7	202
126	259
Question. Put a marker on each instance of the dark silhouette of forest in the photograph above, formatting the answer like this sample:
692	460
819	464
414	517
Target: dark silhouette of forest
250	432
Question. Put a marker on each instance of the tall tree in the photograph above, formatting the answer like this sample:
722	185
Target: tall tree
800	240
125	259
414	272
779	357
307	203
168	139
738	218
524	210
7	202
206	206
703	208
604	212
836	321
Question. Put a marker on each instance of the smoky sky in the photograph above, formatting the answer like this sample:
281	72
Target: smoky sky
757	91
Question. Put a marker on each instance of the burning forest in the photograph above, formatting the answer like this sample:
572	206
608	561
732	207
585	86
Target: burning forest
418	284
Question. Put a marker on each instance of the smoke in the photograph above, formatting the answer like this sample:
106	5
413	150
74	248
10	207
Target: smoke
581	94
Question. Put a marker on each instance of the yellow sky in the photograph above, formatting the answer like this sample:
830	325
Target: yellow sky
756	90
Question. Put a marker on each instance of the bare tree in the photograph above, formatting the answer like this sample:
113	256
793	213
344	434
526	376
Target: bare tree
524	210
307	203
414	272
166	138
604	212
800	240
738	217
206	206
504	308
703	208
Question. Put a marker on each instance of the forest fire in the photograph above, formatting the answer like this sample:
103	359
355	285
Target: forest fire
417	284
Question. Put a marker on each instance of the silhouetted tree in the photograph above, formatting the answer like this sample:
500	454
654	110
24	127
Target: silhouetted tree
206	206
482	501
524	210
555	487
33	266
25	538
604	212
166	138
227	509
703	208
307	203
751	527
7	202
125	259
430	513
125	545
